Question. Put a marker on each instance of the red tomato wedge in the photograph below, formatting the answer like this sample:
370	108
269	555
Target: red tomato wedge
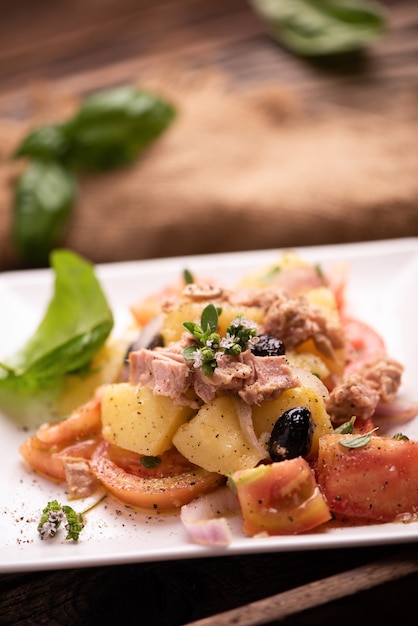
378	481
280	499
365	342
166	492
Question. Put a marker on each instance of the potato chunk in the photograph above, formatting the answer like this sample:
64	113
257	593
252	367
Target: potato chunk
172	327
136	419
266	415
213	439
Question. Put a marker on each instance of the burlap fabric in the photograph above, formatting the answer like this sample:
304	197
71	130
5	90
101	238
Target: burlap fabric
237	171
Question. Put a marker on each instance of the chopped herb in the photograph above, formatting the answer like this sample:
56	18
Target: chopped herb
271	273
188	277
358	441
150	461
400	437
347	428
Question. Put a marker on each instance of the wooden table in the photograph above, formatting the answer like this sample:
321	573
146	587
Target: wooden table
96	43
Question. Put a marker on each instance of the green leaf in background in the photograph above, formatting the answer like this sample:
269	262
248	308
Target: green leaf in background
45	194
113	126
49	142
76	324
322	27
109	130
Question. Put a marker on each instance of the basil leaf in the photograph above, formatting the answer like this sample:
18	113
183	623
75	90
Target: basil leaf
75	325
47	142
44	196
113	126
322	27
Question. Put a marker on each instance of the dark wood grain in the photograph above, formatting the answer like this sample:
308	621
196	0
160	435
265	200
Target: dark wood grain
175	593
101	43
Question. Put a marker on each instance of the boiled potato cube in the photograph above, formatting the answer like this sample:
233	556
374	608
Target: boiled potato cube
265	415
136	419
230	312
172	327
213	439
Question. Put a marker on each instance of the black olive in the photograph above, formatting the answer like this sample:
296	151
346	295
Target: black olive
266	345
291	435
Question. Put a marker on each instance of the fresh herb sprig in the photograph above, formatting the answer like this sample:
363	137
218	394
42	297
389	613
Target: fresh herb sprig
108	131
358	441
203	352
209	345
54	514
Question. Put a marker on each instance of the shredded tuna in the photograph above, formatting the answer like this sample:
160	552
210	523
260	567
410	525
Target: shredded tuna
270	376
162	369
384	375
360	393
352	397
255	379
294	321
80	479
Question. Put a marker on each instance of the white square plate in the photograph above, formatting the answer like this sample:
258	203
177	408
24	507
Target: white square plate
382	291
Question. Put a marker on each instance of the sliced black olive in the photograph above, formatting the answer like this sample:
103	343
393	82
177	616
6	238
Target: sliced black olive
153	342
291	435
149	337
266	345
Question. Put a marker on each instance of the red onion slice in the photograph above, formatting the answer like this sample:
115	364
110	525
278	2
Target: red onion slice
205	517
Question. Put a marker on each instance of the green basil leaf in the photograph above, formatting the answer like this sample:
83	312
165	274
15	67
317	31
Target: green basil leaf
113	126
44	196
322	27
75	325
47	142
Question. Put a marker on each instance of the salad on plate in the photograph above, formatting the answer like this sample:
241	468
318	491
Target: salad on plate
265	399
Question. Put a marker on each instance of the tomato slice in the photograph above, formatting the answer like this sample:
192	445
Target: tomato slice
133	485
377	481
280	499
49	460
365	342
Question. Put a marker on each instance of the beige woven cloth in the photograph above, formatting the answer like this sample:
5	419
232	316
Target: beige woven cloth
241	170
